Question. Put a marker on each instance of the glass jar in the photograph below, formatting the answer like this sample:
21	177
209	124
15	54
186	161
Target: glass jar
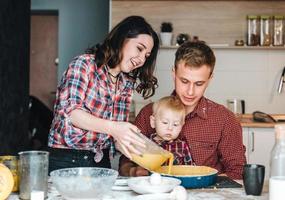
252	30
265	32
277	164
278	28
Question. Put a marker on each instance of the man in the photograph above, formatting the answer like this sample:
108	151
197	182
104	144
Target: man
212	132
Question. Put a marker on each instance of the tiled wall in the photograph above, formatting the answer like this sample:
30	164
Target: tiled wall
249	74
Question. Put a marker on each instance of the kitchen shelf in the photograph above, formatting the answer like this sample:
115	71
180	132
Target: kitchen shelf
218	46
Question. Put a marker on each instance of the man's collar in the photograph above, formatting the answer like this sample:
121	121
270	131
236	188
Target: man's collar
200	110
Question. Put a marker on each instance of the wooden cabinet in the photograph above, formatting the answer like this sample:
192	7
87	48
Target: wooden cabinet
259	142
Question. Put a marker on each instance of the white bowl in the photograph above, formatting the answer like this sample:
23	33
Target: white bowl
141	185
83	182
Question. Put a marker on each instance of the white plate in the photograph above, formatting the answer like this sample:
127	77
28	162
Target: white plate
141	185
121	188
121	182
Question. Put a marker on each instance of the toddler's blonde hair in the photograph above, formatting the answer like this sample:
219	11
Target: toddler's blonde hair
171	103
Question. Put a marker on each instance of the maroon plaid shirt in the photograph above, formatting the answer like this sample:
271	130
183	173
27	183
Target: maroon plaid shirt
87	87
179	148
213	134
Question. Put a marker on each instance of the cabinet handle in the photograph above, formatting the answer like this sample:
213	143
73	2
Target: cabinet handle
252	141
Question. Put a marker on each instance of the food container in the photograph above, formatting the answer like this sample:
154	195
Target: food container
83	182
252	30
12	163
153	156
278	29
265	31
33	173
191	176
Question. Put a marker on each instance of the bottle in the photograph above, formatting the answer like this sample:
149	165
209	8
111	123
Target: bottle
252	30
278	28
277	164
265	32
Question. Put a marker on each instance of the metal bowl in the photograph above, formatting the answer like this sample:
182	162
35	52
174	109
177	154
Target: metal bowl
191	176
83	182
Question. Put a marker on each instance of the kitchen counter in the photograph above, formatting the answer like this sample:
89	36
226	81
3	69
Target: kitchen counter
195	194
246	120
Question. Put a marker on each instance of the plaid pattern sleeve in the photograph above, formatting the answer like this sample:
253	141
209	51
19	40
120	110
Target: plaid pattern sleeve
85	86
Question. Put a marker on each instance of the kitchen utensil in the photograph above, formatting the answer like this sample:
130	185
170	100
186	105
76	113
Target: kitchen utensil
191	176
237	106
225	182
253	178
33	172
142	185
153	156
282	80
262	117
83	182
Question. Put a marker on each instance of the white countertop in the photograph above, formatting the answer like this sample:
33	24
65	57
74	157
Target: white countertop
193	194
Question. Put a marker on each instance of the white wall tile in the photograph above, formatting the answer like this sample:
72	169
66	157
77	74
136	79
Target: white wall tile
239	60
249	74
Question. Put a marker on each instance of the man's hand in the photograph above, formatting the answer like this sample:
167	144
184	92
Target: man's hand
138	171
129	168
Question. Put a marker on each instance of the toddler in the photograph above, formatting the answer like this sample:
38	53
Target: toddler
168	119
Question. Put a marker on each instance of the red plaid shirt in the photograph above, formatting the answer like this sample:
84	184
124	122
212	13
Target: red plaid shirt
178	147
87	87
213	134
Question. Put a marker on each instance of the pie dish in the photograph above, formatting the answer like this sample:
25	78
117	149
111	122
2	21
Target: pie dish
191	176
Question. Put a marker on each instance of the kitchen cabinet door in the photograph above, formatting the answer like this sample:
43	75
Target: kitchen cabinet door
259	142
245	140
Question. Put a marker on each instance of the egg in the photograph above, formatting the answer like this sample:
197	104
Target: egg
155	179
179	193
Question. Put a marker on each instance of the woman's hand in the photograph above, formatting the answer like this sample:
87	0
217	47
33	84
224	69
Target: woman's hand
124	133
126	138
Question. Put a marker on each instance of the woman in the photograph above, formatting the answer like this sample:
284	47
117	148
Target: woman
94	96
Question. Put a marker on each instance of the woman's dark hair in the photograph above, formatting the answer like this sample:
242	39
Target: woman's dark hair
110	52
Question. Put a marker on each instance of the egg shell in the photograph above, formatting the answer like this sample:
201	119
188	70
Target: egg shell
155	179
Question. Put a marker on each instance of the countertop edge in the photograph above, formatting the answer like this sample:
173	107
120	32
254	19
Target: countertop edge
246	120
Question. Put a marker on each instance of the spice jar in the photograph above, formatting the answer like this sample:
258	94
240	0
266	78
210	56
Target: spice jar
252	30
278	28
265	33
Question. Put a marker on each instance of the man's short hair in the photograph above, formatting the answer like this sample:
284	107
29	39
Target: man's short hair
195	54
